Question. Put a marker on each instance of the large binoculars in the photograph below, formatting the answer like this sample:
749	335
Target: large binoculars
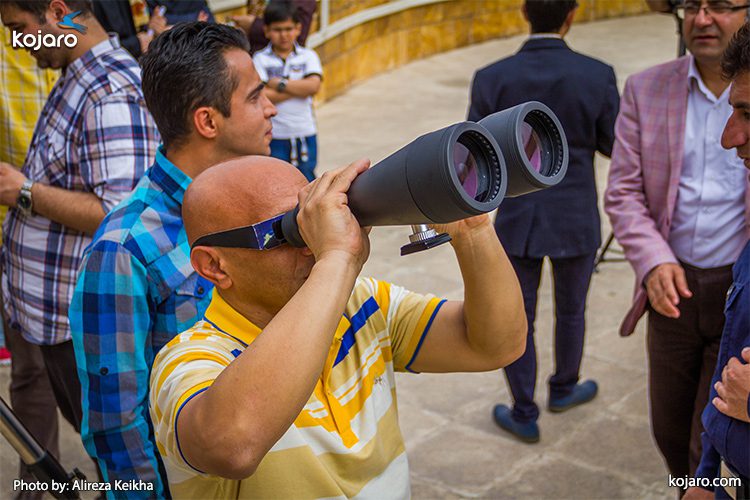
454	173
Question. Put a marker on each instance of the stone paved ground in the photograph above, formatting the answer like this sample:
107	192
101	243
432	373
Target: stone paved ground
601	450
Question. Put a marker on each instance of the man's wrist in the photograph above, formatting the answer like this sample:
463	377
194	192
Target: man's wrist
24	198
470	238
339	258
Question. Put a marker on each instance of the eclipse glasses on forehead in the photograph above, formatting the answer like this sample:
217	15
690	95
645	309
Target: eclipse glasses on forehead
444	176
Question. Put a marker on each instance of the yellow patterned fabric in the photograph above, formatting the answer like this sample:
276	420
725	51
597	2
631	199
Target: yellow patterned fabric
346	442
23	91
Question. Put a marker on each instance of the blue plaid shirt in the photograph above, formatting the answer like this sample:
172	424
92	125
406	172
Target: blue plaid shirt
136	290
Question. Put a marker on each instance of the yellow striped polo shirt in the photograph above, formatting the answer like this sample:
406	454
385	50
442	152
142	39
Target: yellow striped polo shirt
346	442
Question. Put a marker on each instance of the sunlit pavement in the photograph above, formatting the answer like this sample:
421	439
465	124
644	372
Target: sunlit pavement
600	450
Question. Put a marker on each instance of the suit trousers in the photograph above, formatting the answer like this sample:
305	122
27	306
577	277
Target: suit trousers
571	284
682	356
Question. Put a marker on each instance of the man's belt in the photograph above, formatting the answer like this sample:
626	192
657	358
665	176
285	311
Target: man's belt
741	492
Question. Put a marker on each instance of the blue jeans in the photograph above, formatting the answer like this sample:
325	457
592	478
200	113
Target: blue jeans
302	153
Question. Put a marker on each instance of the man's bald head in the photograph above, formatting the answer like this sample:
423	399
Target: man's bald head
239	192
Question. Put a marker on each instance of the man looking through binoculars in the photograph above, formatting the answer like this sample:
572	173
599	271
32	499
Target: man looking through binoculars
286	388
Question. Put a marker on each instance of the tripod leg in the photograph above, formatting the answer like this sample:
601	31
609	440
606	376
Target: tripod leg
603	252
44	466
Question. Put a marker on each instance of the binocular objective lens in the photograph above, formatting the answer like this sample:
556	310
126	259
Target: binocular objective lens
532	146
465	166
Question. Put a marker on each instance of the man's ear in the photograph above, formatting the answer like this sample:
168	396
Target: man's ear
569	18
266	32
57	10
208	263
204	121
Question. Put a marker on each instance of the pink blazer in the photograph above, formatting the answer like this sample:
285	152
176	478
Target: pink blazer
645	172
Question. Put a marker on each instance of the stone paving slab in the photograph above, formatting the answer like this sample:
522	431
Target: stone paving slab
600	450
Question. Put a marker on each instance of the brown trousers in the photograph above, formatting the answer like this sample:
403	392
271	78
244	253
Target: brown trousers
682	356
31	397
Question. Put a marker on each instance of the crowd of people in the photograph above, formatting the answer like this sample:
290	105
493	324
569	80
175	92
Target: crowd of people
199	357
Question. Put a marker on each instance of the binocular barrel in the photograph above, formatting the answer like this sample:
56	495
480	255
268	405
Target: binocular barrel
534	144
446	175
457	172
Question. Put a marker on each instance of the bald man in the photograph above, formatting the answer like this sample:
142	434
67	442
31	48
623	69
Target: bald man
286	387
136	289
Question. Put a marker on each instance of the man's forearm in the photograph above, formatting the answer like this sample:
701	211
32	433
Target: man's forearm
275	96
303	88
255	400
294	88
74	209
493	305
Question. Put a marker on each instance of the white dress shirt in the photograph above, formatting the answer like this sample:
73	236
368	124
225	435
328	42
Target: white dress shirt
708	225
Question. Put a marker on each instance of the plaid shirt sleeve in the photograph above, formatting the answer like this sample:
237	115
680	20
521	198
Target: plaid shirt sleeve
111	168
110	324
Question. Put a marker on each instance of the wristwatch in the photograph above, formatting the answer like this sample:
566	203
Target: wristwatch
282	85
24	202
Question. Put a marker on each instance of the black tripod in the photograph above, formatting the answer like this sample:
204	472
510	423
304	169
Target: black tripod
44	466
601	256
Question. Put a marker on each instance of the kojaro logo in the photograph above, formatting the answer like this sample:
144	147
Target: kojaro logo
50	41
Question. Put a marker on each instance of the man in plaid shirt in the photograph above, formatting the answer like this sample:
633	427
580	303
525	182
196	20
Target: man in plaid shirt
24	88
92	143
137	288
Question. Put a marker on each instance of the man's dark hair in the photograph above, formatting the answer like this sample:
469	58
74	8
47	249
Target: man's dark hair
736	57
548	16
183	70
279	11
39	7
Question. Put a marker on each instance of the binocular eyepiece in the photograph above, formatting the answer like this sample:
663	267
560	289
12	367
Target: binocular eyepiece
454	173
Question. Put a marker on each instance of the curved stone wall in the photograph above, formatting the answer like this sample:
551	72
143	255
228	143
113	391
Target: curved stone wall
400	37
359	39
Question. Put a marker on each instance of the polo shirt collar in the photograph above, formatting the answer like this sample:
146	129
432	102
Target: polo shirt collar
269	50
229	321
168	177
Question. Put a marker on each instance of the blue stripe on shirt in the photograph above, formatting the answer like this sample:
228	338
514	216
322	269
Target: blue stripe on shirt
357	321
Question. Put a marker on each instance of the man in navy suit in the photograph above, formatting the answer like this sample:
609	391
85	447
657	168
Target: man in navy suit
561	222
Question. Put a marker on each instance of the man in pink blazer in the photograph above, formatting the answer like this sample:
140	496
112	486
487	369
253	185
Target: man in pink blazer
680	208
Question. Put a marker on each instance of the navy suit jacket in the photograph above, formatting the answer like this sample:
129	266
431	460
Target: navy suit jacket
561	221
